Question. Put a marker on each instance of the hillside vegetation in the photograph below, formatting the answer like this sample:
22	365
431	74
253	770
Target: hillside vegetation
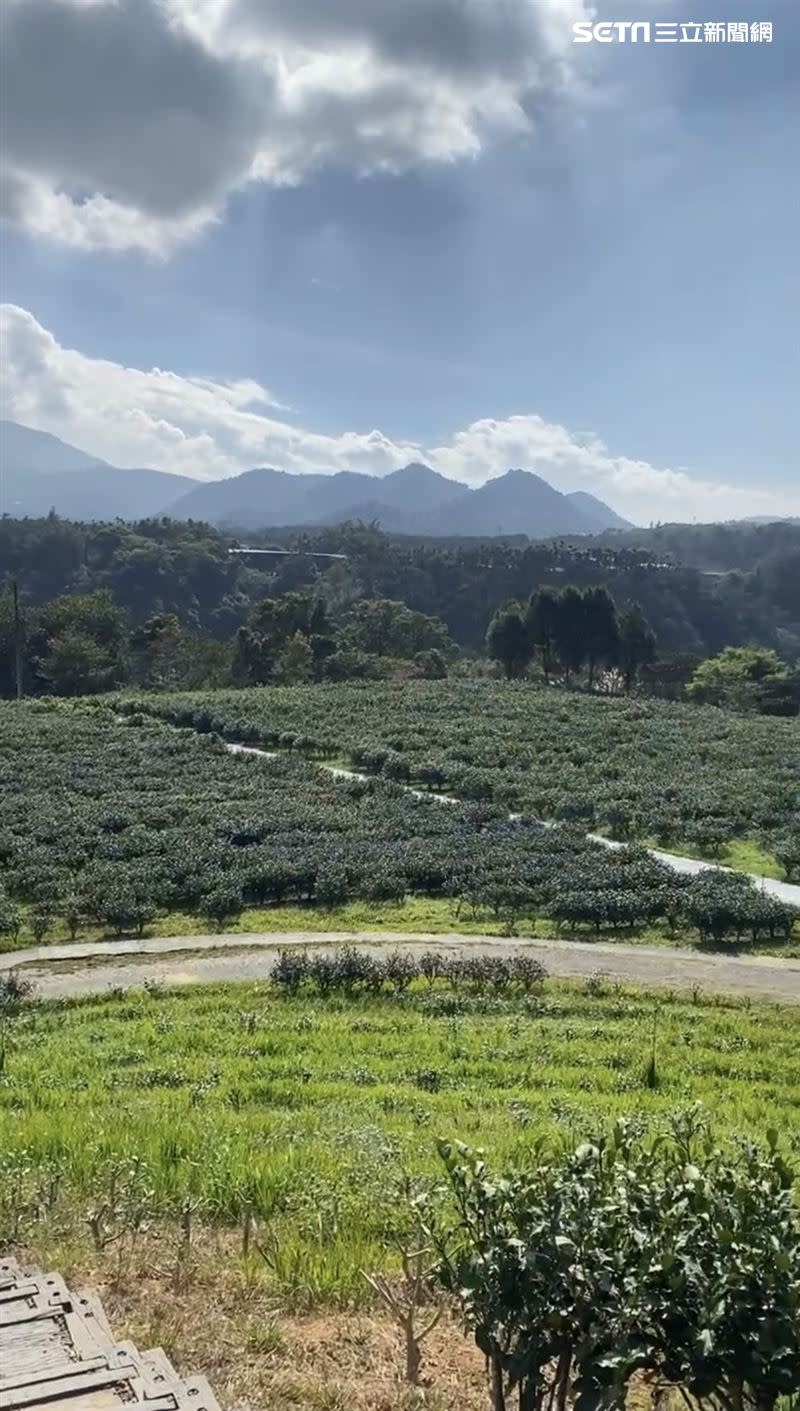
634	769
702	588
113	822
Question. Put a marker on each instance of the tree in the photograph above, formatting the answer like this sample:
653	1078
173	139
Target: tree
669	676
430	665
637	645
602	630
384	627
274	623
96	615
571	630
78	644
75	665
735	676
780	695
295	662
508	641
152	649
541	622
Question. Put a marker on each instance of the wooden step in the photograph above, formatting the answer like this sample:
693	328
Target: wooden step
58	1353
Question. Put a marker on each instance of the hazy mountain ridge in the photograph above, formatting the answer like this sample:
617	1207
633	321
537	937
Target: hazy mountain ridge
39	473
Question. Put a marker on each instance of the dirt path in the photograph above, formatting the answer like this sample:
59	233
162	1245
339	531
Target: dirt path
66	970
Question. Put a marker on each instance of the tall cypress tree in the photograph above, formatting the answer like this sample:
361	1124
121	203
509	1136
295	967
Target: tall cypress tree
541	624
602	630
571	631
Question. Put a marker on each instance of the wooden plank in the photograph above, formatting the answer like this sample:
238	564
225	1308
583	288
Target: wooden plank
27	1345
199	1396
90	1307
57	1353
39	1392
18	1290
109	1399
58	1371
28	1312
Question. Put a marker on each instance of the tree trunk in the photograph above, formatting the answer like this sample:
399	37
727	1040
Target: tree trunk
413	1358
498	1391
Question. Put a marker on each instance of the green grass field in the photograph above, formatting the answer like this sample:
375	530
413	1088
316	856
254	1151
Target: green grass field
309	1109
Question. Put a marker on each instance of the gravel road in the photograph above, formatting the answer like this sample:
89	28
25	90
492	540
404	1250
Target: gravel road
65	970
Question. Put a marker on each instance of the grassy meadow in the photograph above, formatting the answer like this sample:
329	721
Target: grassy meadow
307	1110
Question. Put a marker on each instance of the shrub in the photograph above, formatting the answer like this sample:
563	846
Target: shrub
291	969
10	918
222	905
581	1269
15	991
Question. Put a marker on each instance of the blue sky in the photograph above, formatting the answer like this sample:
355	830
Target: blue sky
344	239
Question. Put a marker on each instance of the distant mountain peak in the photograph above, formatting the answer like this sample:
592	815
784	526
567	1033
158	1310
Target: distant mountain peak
23	448
598	514
40	473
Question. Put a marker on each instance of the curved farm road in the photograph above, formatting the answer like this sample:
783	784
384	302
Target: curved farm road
59	971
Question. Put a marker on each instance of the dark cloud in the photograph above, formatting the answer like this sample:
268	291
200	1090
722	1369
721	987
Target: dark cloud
110	99
129	122
507	37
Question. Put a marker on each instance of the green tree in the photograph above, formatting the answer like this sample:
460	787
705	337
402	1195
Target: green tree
78	644
508	640
430	665
384	627
541	618
637	645
571	631
96	615
295	663
151	648
602	630
735	676
162	655
274	623
75	665
780	695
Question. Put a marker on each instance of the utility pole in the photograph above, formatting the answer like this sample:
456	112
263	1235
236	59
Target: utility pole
17	640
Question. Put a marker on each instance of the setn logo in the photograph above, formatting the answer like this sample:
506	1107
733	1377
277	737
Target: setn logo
606	31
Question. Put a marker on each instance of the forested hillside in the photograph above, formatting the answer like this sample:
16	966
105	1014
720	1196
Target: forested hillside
701	588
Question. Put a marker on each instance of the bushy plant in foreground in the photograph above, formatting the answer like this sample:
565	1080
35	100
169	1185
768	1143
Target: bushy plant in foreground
674	1261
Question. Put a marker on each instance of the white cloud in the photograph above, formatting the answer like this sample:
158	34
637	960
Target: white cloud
208	429
127	123
574	461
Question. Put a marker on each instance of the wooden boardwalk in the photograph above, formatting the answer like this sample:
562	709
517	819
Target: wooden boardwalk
57	1353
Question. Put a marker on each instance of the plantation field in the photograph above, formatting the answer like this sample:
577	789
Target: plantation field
684	777
306	1106
109	823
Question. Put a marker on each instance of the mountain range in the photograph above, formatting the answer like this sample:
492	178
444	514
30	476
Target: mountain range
40	473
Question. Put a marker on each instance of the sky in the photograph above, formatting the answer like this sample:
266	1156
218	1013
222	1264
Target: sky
347	234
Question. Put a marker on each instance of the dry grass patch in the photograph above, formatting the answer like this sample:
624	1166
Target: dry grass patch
256	1355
